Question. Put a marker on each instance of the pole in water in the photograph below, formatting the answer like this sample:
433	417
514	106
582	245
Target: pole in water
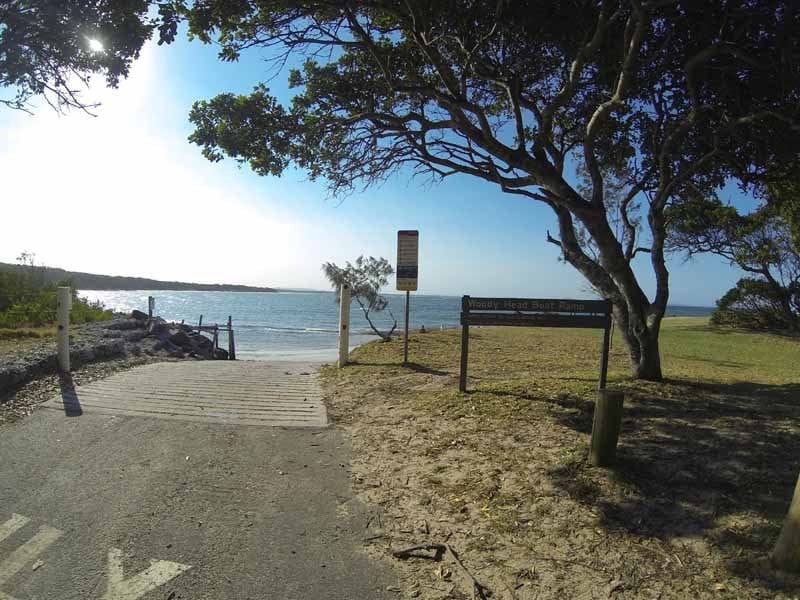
405	342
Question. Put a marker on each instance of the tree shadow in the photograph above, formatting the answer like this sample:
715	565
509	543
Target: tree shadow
694	462
69	396
417	368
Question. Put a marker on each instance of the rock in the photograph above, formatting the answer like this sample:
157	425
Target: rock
160	330
134	336
201	342
124	324
221	354
86	355
139	315
181	338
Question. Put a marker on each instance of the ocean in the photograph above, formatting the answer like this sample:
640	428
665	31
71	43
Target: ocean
294	325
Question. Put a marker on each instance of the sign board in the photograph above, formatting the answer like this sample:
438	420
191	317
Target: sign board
534	312
407	260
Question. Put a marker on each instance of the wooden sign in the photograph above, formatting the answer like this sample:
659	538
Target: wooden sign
407	260
535	312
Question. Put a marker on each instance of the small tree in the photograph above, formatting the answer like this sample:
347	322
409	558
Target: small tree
366	278
760	243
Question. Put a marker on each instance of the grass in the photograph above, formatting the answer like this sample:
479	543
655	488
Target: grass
26	332
707	458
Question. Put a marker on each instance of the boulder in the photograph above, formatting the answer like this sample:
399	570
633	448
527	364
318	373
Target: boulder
139	315
134	336
181	338
221	354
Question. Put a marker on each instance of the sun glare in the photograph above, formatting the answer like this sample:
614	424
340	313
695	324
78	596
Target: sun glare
95	45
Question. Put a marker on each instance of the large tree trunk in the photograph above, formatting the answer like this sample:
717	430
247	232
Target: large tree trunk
645	356
641	338
638	321
786	554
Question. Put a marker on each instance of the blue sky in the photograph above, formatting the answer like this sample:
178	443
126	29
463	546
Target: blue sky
125	193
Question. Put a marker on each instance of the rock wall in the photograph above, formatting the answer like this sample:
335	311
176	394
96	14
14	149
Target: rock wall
125	336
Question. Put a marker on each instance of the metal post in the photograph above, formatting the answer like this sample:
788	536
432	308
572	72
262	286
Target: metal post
344	324
62	312
405	343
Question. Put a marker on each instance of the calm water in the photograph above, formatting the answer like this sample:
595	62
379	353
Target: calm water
293	324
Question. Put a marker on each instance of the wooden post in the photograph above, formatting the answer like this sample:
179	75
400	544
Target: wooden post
405	341
216	340
64	305
200	324
344	324
786	554
151	305
462	381
231	342
605	428
605	352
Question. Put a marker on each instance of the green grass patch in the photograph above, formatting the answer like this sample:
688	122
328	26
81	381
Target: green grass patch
26	332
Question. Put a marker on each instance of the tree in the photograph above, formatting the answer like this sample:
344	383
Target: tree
51	49
760	243
366	278
659	96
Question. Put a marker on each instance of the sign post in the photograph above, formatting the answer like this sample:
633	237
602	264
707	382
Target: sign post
407	272
535	312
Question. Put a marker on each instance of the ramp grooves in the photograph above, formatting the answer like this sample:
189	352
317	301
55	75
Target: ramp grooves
240	392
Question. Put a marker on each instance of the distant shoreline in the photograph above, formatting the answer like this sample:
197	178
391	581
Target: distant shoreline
117	283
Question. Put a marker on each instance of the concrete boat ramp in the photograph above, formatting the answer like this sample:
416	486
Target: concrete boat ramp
186	480
234	392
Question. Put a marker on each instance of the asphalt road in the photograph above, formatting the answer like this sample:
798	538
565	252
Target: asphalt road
109	507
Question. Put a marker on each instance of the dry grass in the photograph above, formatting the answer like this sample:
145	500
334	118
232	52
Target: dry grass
707	462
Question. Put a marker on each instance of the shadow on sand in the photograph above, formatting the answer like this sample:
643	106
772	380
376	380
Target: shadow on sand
688	461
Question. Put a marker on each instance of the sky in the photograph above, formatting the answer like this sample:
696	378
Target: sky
125	193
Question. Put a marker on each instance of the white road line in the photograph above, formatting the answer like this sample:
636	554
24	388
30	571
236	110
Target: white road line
9	527
26	553
158	573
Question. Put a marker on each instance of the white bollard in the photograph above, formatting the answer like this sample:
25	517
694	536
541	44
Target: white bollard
62	313
344	324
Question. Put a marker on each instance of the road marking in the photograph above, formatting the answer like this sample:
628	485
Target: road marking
9	527
28	552
158	573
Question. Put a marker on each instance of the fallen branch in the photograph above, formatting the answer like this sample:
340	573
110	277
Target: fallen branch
414	552
478	589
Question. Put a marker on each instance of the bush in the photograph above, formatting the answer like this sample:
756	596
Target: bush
758	304
27	301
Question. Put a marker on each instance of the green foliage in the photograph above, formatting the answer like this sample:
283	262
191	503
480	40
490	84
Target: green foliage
759	304
45	49
653	99
26	300
365	277
762	243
